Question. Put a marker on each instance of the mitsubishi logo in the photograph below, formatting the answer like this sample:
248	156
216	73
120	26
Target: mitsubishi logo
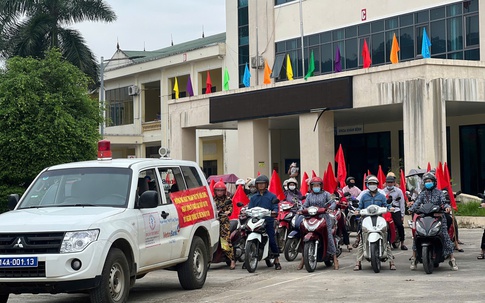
18	244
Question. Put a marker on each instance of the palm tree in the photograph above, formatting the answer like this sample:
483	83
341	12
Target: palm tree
30	27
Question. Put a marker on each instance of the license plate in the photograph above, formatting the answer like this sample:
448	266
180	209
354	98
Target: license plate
18	262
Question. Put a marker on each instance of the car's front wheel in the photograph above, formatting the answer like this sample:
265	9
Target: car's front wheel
193	272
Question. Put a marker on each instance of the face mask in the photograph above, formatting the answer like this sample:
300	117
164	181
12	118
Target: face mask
252	189
292	187
351	185
428	185
390	187
372	187
316	189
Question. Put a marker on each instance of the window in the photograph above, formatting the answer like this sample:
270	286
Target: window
437	35
472	36
119	107
377	45
277	66
172	181
455	34
191	176
351	56
407	43
278	2
148	180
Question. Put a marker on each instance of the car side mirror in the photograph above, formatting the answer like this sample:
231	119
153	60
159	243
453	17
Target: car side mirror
12	201
149	199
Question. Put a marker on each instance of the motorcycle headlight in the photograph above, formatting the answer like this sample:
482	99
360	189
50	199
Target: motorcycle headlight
76	241
436	228
312	210
420	230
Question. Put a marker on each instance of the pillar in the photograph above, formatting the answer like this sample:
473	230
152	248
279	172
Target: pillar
254	149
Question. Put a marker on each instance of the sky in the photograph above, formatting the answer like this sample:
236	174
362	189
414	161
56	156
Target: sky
150	24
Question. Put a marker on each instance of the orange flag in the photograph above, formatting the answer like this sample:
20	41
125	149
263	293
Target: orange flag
267	73
275	186
239	196
381	177
446	175
304	184
341	169
394	49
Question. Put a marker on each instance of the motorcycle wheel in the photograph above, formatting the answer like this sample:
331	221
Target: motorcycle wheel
291	249
281	238
309	256
239	245
374	257
427	256
251	260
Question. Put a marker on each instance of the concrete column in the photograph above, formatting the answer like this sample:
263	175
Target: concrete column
424	123
182	140
316	147
253	138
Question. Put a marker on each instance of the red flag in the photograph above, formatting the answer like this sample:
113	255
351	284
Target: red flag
304	184
208	84
446	175
211	186
313	174
368	173
330	184
341	169
239	196
402	185
440	182
363	182
275	186
259	173
366	55
429	167
381	177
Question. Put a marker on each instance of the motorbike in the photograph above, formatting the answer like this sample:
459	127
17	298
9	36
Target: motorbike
239	245
353	220
374	235
257	241
293	242
287	211
237	242
314	232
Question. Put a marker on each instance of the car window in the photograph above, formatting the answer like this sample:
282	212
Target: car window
192	177
148	180
172	179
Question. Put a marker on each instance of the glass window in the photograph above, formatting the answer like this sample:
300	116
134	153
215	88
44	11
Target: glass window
351	56
291	44
191	176
277	66
438	37
341	47
407	43
473	54
242	3
243	35
422	16
361	47
377	45
419	37
242	16
338	34
392	23
119	107
313	39
472	155
437	13
327	58
470	6
406	19
351	32
243	54
472	32
326	37
457	55
453	10
455	33
316	58
364	29
377	26
280	47
389	37
278	2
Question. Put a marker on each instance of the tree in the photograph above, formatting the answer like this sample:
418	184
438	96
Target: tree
30	27
46	117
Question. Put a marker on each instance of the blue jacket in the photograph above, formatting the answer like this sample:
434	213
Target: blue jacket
265	201
367	199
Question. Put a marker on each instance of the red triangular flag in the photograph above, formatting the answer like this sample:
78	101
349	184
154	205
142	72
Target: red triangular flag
446	175
275	186
402	185
304	184
429	167
341	169
208	84
259	174
440	182
211	186
313	174
330	184
381	177
368	173
239	196
366	55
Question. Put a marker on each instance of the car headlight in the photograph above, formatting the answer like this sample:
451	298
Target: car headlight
76	241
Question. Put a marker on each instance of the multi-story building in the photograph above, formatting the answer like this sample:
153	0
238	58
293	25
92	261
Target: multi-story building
407	114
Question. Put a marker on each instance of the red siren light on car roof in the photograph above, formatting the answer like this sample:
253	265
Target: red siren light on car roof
104	150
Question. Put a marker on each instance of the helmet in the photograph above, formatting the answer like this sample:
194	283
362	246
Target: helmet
220	185
372	179
262	179
391	174
240	181
347	181
249	183
429	176
285	182
390	179
292	180
315	180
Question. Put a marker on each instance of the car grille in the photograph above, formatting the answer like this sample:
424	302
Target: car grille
30	243
24	272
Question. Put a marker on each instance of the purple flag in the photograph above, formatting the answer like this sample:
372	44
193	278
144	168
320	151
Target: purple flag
337	64
189	89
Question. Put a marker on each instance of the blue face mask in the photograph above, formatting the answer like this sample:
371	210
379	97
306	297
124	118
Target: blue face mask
428	185
316	190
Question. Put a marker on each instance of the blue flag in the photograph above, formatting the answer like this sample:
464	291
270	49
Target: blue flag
247	76
425	47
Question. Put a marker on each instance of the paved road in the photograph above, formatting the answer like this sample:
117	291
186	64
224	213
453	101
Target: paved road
325	284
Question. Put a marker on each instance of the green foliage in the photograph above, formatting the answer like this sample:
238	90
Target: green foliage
46	117
470	209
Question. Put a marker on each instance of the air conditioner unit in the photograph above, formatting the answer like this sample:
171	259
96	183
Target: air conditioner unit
257	62
132	90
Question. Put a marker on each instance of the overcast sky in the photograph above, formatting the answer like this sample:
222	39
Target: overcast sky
149	24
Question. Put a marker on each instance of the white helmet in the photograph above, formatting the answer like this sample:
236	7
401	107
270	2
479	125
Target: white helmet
292	180
240	181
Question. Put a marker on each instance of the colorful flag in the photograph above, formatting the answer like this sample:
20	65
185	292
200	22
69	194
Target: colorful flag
239	196
176	88
402	185
246	76
190	90
429	167
289	69
304	184
440	181
208	84
275	186
425	46
366	55
394	49
313	174
341	169
267	73
211	186
337	63
330	184
446	175
311	67
226	79
381	177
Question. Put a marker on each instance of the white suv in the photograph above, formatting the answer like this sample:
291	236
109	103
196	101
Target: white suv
97	226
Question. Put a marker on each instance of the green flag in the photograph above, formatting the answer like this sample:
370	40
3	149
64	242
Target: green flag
226	79
311	67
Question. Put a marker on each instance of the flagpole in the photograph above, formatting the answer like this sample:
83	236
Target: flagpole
257	50
301	34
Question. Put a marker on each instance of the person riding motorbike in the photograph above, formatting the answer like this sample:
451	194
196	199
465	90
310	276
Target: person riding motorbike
321	198
396	197
266	199
293	194
351	188
251	187
373	197
430	194
224	207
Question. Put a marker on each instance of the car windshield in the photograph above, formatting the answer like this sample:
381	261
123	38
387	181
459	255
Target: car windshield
79	187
